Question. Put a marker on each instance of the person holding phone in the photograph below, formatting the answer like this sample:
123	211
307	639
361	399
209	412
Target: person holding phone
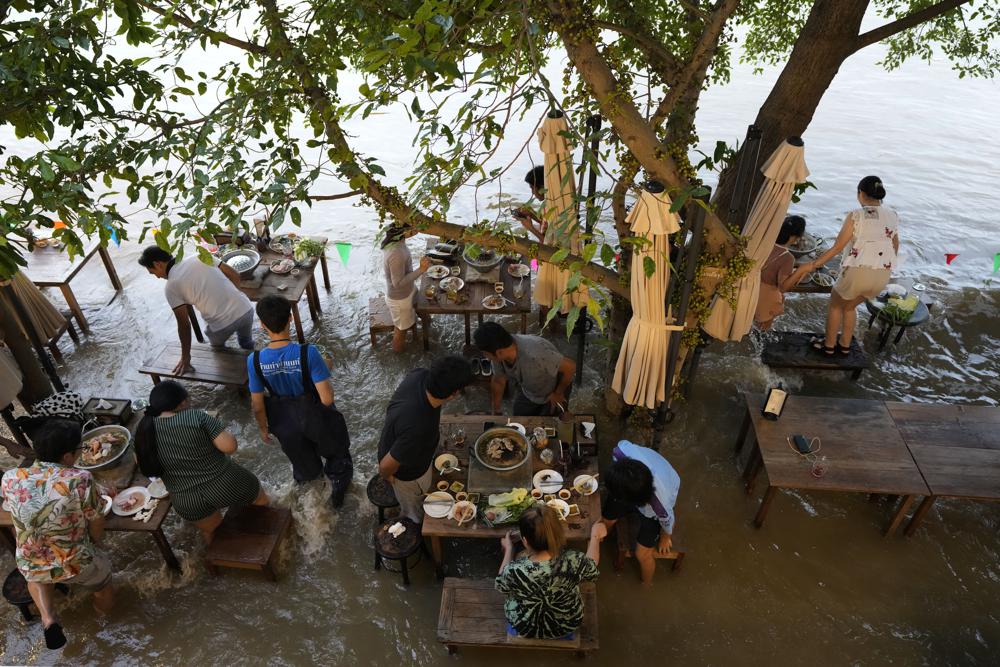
526	215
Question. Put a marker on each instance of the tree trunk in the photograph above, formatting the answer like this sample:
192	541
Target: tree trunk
829	36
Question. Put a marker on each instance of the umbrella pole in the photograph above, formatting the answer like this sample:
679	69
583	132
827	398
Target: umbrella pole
593	126
664	415
36	342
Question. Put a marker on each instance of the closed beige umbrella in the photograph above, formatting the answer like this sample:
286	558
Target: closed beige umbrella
641	372
45	318
559	212
785	168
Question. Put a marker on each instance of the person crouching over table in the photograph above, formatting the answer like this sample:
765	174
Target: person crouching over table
412	429
778	274
642	485
542	588
57	521
543	373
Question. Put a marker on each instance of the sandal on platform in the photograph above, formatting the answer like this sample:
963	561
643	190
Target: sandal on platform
819	344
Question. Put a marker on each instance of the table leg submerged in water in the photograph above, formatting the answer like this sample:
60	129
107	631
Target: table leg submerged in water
110	268
437	557
897	518
765	506
74	306
168	553
918	516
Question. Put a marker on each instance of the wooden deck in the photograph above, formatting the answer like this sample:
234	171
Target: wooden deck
226	367
792	349
472	615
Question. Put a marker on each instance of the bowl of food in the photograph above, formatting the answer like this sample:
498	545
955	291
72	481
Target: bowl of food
585	484
518	270
493	302
502	448
438	272
463	511
243	261
560	506
484	261
282	266
130	501
452	284
823	279
103	447
805	245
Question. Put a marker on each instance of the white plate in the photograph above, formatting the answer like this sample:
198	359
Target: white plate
157	488
122	496
493	302
106	507
550	484
560	506
452	283
438	271
587	482
518	270
438	505
439	462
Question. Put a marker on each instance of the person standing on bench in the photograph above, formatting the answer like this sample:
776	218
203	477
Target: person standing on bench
543	587
641	482
543	373
400	281
213	293
190	450
299	404
412	429
57	519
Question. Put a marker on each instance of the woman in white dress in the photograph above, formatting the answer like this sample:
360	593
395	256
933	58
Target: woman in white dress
870	242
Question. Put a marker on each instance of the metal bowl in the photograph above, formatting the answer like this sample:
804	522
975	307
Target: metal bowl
243	261
111	461
807	244
486	260
502	432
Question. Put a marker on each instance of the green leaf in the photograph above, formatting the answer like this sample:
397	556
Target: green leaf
205	256
594	310
558	256
571	318
648	266
296	216
67	163
47	174
589	251
607	255
553	311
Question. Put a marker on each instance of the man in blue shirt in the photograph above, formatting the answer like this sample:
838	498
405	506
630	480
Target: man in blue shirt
642	483
299	404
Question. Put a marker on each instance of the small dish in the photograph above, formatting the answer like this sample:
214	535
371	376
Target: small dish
560	506
574	510
157	489
456	487
474	498
442	485
130	501
445	463
438	505
463	512
518	427
296	272
564	494
456	271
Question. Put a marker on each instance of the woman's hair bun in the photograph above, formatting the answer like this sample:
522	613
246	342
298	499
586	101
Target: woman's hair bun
872	186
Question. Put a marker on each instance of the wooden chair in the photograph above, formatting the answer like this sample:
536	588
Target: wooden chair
248	538
226	366
380	320
472	615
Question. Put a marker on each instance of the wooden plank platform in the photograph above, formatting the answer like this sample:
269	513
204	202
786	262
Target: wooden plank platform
248	538
792	349
226	366
472	615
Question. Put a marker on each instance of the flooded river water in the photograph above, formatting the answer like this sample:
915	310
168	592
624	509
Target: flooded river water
817	585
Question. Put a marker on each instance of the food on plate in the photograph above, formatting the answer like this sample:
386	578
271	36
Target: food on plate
503	450
518	270
493	301
101	448
823	279
463	511
130	502
437	272
452	284
282	265
507	507
308	248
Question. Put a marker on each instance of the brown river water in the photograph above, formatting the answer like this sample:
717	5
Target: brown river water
817	585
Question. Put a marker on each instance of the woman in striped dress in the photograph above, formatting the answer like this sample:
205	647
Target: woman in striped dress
190	450
543	587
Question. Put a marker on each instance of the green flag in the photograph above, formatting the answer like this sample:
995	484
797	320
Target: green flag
344	250
996	262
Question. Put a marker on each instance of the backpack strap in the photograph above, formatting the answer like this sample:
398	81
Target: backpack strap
308	387
260	373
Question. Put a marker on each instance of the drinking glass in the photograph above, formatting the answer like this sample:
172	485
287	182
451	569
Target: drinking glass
519	289
498	288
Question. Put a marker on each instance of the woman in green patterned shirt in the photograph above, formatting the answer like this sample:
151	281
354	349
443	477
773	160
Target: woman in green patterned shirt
543	586
190	450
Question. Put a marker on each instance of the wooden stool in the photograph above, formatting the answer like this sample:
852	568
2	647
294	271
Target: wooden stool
472	615
381	495
225	366
792	349
248	538
399	548
15	591
626	530
380	321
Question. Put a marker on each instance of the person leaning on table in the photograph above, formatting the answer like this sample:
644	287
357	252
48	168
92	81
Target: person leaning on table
213	293
57	520
412	429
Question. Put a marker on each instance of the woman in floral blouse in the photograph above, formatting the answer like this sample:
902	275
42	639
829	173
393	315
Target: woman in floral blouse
543	586
57	519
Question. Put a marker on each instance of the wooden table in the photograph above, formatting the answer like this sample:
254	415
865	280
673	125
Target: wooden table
49	267
126	524
832	268
863	448
577	527
295	287
956	447
475	292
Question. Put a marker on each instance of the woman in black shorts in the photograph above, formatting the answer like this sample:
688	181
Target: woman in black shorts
190	450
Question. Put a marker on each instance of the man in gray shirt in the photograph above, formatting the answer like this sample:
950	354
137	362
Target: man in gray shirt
545	376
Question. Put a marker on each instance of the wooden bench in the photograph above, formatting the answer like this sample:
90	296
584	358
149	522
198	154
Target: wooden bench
472	615
248	538
380	320
226	366
793	349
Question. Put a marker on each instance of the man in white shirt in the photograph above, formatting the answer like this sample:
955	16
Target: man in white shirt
215	293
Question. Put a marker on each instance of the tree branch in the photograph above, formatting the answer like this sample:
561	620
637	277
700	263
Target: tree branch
214	35
324	110
342	195
663	61
907	22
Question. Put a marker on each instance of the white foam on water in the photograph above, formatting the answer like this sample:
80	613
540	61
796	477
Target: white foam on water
313	517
